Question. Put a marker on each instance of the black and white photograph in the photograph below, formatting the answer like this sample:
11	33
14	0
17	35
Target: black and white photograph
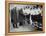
26	17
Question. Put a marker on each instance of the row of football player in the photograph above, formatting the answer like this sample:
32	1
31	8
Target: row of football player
34	7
